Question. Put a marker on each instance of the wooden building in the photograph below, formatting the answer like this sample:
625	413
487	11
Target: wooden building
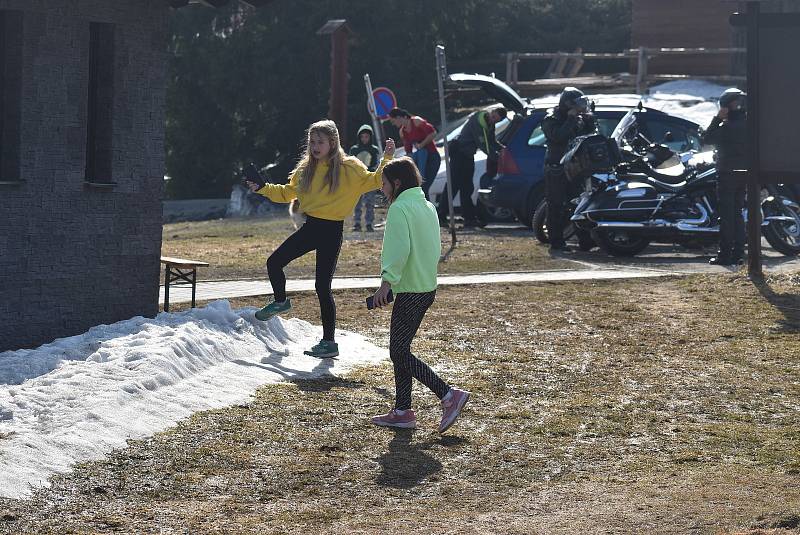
686	24
694	24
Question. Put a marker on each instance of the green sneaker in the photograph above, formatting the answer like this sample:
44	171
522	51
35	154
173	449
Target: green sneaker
273	309
325	349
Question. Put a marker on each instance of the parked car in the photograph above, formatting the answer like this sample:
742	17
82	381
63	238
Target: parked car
519	184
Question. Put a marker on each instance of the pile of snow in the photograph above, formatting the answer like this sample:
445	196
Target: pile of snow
78	398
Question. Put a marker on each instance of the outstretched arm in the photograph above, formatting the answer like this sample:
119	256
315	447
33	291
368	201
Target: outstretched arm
371	180
278	192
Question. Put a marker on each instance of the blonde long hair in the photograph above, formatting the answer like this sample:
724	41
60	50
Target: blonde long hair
336	157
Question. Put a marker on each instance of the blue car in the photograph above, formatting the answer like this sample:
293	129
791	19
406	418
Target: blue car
519	185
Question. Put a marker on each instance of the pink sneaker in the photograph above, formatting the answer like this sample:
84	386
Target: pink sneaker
393	418
452	404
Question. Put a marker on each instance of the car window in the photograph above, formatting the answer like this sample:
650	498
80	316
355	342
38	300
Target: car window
683	138
605	125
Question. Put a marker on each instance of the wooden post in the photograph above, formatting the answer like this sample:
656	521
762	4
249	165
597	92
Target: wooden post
754	158
515	68
641	71
337	111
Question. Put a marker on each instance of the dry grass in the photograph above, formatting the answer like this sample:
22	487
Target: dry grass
238	248
667	406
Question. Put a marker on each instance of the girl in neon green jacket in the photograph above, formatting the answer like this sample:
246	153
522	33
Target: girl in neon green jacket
409	261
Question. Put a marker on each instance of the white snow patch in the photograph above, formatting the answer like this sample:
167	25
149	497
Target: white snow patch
78	398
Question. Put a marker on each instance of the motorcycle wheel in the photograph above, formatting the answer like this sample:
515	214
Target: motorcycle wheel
619	242
539	225
784	237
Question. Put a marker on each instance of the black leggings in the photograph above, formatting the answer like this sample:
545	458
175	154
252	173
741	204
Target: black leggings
324	236
730	201
407	314
463	169
557	193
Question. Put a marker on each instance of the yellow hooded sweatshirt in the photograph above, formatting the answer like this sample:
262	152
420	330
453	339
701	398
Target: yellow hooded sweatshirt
318	201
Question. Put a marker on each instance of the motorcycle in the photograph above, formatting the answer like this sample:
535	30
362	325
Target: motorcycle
651	193
608	155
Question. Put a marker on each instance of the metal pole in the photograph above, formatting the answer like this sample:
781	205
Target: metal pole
166	287
371	107
754	163
441	75
641	71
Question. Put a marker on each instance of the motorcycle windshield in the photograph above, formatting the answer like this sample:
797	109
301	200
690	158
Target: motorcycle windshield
625	124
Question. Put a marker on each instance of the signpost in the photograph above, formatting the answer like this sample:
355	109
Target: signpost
773	76
376	123
441	76
384	100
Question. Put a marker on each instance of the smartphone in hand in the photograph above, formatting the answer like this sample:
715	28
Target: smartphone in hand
371	300
252	174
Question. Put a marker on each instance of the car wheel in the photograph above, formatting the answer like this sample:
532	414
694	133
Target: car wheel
520	215
535	198
491	213
540	228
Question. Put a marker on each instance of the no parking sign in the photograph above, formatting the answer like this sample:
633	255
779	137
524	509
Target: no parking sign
384	101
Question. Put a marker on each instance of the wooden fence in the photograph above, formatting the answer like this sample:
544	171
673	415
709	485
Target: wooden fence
564	68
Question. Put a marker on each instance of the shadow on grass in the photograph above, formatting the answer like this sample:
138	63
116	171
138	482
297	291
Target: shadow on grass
656	253
325	384
406	463
787	304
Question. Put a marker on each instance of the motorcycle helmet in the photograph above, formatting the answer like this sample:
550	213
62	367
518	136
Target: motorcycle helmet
733	99
572	97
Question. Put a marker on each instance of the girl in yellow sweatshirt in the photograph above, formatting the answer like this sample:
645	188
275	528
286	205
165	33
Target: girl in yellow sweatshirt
328	183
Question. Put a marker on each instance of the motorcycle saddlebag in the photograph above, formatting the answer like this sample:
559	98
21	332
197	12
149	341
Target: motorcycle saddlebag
629	201
590	154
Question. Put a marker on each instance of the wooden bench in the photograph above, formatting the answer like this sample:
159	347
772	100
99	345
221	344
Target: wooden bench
180	269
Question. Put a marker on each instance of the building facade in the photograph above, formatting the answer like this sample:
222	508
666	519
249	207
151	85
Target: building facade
81	164
695	24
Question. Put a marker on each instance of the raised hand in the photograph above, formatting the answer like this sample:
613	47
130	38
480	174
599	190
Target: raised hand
389	150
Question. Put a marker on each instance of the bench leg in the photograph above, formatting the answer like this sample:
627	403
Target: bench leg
166	288
194	284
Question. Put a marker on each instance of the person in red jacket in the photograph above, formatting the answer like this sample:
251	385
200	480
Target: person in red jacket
418	135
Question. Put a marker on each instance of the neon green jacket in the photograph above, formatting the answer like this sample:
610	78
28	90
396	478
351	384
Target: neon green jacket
411	244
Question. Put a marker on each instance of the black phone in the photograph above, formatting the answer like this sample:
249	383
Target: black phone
251	174
371	300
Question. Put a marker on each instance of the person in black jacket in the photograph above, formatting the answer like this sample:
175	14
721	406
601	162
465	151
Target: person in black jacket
477	133
370	155
728	133
570	119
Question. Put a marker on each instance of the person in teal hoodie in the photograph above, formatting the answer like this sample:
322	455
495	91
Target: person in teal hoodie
370	155
409	262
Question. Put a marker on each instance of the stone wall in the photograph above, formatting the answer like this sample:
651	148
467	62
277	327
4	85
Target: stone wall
72	254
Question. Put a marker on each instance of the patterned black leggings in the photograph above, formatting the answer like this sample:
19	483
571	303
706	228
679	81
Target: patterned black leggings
407	314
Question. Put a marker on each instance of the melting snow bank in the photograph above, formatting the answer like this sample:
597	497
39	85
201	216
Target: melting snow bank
80	397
